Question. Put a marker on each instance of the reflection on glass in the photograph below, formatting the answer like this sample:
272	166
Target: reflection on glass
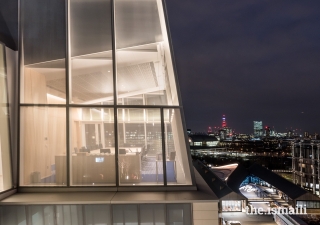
179	214
43	146
125	214
178	171
92	146
140	147
144	67
91	52
5	165
68	214
39	214
9	214
152	214
43	47
130	214
97	214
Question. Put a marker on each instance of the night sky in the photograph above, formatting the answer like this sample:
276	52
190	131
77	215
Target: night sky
250	60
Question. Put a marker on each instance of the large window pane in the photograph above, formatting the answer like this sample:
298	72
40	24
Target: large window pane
97	214
178	170
5	165
91	52
92	146
140	147
144	67
179	214
69	214
12	215
42	146
152	214
125	214
41	215
43	48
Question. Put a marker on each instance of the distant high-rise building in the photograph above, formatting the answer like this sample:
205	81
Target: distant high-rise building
222	134
268	131
257	128
209	130
224	123
306	134
225	133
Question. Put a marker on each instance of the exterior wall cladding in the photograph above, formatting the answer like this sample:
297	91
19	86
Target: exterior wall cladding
95	128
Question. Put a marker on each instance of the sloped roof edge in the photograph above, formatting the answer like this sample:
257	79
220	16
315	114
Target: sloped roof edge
218	186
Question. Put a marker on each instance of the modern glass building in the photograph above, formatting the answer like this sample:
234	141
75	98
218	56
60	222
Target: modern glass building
257	128
92	128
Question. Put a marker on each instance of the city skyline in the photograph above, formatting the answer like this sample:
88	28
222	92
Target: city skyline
248	60
217	126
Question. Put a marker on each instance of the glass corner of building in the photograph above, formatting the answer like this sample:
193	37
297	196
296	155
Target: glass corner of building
99	100
5	147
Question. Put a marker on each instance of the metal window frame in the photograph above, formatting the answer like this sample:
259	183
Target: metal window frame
68	106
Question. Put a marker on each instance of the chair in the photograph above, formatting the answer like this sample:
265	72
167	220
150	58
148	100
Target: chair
172	158
84	149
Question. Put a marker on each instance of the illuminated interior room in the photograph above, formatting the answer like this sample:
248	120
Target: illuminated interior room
95	132
136	80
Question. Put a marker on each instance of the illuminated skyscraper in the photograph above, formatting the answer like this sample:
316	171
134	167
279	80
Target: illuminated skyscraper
257	128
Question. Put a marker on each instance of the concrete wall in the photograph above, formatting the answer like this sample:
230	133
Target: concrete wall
205	213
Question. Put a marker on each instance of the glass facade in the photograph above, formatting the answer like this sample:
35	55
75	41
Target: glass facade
92	151
144	68
43	72
42	146
98	96
91	52
135	214
177	166
5	165
140	146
